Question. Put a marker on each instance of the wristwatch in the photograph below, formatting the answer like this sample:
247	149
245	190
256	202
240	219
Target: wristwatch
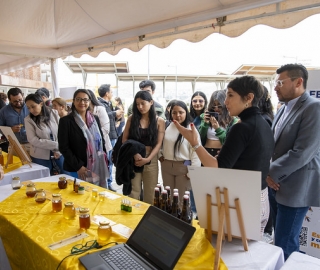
196	146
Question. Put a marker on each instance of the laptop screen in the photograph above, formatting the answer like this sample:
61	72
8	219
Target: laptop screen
161	237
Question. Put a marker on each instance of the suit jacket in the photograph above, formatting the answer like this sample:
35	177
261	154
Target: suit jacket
296	158
73	144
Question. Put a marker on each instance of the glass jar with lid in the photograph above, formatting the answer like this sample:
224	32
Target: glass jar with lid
62	183
69	212
15	183
40	196
104	230
84	218
56	202
31	190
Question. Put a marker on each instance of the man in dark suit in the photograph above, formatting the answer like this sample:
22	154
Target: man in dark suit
294	172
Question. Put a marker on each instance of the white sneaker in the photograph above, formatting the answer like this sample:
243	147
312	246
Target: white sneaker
267	238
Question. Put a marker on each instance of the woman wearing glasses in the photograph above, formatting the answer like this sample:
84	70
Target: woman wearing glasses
214	127
81	142
198	106
249	144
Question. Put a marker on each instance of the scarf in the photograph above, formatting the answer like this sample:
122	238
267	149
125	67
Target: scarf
96	158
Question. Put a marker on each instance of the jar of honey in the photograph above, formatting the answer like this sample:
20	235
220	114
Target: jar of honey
104	230
40	196
31	190
84	218
56	202
69	212
62	183
15	184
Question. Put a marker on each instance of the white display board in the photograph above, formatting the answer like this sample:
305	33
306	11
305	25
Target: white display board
245	185
313	85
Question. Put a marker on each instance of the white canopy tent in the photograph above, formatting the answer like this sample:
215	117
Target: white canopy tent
37	31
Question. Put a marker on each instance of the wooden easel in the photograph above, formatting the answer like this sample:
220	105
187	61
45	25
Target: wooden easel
20	151
224	215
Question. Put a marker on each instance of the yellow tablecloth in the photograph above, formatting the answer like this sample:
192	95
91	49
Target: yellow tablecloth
27	228
15	165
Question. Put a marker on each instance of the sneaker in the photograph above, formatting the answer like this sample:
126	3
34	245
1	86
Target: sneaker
267	238
110	187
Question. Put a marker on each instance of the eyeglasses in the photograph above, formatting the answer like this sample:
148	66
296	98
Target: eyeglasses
197	100
18	101
279	83
85	100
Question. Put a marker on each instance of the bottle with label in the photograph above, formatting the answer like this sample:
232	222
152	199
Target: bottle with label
1	157
69	212
104	230
176	211
185	213
84	218
160	187
156	198
169	209
56	202
164	200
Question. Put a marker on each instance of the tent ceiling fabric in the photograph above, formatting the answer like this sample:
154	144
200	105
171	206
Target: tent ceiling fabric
46	29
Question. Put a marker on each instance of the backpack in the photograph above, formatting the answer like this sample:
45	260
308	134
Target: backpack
116	150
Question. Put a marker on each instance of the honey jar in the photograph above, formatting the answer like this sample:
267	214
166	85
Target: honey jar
31	190
69	212
104	230
84	218
40	196
56	202
62	183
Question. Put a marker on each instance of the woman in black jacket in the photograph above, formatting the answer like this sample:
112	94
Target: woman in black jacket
81	142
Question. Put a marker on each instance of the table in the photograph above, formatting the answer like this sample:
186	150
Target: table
27	228
260	255
300	261
26	173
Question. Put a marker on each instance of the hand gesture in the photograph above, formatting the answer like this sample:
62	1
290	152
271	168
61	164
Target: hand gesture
190	135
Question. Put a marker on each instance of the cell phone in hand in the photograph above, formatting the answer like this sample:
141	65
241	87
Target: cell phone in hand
214	114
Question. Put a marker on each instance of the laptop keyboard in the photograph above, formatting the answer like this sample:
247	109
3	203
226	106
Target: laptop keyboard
121	259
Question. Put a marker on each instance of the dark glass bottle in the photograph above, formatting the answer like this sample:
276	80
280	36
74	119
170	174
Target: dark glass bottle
169	206
176	211
164	200
156	198
185	213
160	188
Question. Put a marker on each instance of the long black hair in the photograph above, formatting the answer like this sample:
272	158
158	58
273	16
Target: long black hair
93	98
192	110
224	117
185	123
44	116
136	117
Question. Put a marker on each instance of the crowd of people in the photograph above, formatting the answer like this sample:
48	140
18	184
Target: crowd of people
236	129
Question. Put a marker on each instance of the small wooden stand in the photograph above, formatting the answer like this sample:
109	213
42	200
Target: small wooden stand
20	151
224	215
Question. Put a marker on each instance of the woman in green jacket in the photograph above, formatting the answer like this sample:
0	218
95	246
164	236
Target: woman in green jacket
213	129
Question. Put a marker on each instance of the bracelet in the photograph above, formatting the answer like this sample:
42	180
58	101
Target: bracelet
196	146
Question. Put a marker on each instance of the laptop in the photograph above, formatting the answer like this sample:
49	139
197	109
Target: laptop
156	243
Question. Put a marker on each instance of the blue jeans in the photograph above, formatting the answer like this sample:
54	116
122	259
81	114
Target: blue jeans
120	128
288	226
110	164
48	164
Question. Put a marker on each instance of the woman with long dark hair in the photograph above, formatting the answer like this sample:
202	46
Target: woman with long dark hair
213	129
42	130
81	142
147	128
177	153
198	105
121	121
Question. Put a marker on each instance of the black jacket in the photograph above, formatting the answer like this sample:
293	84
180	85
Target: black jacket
249	145
73	144
112	117
125	166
